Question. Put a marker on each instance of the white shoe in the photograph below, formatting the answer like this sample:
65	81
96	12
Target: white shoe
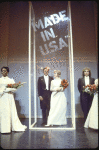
47	125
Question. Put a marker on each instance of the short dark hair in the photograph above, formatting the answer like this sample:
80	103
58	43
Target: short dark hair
7	68
44	69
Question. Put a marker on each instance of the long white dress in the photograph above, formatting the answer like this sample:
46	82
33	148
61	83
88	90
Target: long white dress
92	118
8	114
57	113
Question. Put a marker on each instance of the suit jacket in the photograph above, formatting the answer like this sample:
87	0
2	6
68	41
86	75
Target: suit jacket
42	85
46	94
81	83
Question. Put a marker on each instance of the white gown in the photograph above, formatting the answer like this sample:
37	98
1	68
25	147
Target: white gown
92	118
8	114
57	113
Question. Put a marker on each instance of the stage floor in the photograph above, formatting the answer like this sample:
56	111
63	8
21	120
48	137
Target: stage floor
51	139
39	124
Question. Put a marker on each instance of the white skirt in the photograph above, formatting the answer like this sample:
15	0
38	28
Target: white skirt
92	118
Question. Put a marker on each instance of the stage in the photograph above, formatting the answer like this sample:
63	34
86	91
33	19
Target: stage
51	139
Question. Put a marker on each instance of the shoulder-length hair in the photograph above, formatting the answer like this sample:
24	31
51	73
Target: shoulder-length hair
86	68
7	68
58	72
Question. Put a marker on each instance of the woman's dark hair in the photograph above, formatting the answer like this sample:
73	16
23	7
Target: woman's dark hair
86	68
7	68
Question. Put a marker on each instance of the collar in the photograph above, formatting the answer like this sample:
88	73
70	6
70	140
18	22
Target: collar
4	77
45	76
87	77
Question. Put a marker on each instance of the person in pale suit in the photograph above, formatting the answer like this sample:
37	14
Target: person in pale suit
85	98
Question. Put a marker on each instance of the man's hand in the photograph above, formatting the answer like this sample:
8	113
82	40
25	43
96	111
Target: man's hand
41	98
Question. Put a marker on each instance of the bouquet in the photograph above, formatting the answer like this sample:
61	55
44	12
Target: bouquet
90	89
14	87
64	84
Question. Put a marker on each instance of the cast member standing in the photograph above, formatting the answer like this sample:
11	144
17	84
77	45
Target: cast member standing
85	98
57	114
92	118
44	93
8	114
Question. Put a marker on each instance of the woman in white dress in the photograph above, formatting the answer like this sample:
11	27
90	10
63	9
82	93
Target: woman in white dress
57	113
92	118
8	114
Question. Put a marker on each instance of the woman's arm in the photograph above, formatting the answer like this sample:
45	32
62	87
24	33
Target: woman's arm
52	87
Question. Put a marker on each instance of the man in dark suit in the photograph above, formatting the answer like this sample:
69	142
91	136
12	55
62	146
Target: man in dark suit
44	94
85	98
